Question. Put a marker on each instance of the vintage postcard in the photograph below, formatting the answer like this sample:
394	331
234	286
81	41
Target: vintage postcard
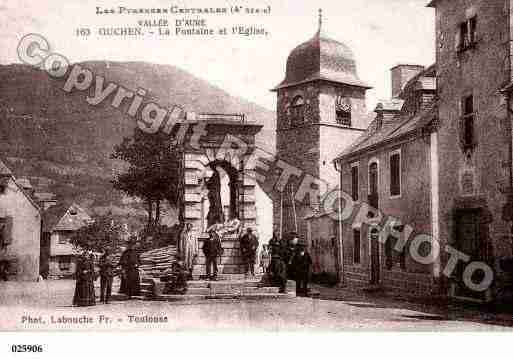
255	165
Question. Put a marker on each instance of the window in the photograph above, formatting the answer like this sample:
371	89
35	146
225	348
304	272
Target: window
64	264
297	111
373	184
5	231
356	246
467	34
343	111
3	185
395	173
467	124
354	182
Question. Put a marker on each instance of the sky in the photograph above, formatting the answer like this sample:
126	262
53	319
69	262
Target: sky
381	33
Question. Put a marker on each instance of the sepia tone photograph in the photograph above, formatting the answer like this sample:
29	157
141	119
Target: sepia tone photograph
256	166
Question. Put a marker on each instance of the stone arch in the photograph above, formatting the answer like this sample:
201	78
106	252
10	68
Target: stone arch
229	187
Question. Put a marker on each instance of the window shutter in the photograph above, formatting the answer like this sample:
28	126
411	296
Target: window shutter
395	173
354	183
7	233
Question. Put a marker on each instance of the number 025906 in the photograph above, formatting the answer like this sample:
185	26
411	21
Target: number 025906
24	348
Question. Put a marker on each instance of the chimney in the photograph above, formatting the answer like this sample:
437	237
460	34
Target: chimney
401	74
26	185
387	112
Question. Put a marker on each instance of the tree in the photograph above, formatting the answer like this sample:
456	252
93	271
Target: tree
152	173
102	233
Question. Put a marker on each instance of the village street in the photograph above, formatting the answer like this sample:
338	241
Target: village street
45	305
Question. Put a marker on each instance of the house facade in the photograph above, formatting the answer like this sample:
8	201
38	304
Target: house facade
473	55
446	172
60	223
20	229
389	170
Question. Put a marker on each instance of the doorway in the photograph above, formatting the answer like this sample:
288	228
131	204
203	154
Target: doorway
468	240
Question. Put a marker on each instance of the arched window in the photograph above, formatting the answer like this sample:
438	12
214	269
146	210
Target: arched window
373	184
343	111
297	111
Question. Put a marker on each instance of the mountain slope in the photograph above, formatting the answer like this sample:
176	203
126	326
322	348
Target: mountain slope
63	144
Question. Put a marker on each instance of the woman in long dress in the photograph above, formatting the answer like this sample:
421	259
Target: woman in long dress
188	248
129	262
84	288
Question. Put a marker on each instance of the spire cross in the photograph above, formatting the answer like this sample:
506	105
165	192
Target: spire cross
320	19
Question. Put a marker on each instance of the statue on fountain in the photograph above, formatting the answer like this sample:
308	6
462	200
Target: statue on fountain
215	211
215	217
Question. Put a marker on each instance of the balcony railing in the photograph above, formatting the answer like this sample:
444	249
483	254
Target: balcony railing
232	117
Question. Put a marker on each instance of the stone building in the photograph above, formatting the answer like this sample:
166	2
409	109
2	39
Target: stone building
453	176
321	109
20	229
473	55
391	168
60	222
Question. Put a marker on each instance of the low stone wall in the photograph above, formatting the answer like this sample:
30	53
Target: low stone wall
417	284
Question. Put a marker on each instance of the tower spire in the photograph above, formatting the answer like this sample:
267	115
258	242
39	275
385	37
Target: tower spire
320	31
320	20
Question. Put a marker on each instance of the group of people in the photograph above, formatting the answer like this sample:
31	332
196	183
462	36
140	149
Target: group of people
289	260
212	248
188	249
86	274
282	259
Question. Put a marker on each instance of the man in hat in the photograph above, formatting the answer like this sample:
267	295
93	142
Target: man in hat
249	246
301	266
274	244
212	249
107	271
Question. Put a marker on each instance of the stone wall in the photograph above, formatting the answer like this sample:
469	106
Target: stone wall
412	207
478	179
312	146
23	251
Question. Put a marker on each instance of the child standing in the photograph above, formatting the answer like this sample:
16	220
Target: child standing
265	258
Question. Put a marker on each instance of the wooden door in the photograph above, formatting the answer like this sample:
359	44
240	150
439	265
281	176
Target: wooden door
467	241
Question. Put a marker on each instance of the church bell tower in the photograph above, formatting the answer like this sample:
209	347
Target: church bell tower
321	110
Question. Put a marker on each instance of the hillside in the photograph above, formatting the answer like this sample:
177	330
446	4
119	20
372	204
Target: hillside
63	144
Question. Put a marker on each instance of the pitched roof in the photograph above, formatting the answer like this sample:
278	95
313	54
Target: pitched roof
52	215
64	217
4	170
402	125
6	173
